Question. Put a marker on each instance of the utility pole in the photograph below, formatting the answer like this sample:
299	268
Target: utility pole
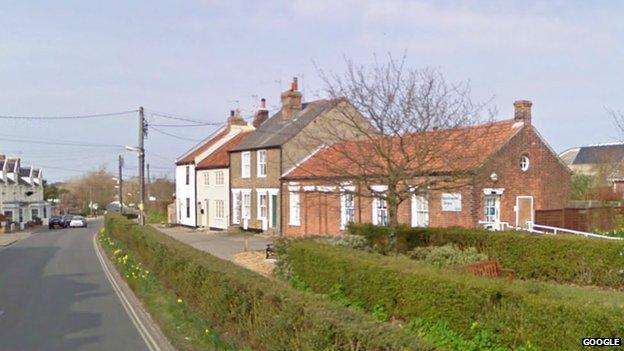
147	191
121	162
142	133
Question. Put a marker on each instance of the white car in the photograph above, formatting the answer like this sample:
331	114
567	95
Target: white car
78	221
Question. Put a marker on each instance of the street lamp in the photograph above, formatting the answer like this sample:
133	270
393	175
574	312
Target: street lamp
141	153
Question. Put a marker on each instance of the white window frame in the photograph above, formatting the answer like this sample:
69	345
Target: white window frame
263	207
495	205
219	178
246	164
346	192
187	175
525	163
261	163
294	208
420	210
207	178
219	209
246	206
377	211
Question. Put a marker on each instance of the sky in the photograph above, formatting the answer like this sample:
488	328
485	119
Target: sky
200	59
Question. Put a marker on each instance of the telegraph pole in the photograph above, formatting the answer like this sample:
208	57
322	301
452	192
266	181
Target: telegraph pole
141	167
121	162
147	187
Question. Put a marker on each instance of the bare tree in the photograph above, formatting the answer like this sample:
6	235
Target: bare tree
414	138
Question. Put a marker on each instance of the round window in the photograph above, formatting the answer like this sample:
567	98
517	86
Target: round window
524	163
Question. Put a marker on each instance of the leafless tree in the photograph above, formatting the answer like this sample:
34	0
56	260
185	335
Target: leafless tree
410	132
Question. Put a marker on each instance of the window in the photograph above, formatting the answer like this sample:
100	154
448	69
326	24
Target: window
524	163
237	207
262	206
207	178
8	215
348	209
219	177
219	209
246	206
262	168
492	208
246	164
188	175
188	207
294	217
34	213
380	211
420	210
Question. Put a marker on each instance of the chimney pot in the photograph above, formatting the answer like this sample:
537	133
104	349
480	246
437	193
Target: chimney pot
522	111
291	100
263	103
261	115
294	86
232	112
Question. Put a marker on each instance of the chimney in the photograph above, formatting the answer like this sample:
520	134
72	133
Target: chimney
522	111
235	119
291	100
261	115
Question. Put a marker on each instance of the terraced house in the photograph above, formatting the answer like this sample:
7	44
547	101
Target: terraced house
501	173
277	145
21	196
202	177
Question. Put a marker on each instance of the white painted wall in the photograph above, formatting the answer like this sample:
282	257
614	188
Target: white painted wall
211	193
184	191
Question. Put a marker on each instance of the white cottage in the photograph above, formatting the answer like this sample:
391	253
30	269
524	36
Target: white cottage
202	192
21	198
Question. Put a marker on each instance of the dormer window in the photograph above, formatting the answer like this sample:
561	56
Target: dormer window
524	163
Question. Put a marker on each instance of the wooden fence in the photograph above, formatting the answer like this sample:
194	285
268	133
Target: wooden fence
583	219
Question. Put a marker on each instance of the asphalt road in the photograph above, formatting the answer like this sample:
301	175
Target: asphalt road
54	296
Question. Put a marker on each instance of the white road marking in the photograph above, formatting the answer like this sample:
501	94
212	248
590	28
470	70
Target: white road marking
147	337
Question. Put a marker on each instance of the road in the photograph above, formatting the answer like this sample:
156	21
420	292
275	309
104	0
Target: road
54	295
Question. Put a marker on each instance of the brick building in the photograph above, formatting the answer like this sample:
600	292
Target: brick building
278	144
501	173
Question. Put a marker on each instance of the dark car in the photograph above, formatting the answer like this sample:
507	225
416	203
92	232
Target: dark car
65	220
55	222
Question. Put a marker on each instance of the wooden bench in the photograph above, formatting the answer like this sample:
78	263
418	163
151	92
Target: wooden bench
492	269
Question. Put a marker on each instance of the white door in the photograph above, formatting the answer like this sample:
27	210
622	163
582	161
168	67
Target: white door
206	213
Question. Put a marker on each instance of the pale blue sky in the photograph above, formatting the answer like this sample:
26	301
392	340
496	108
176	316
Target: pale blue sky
197	58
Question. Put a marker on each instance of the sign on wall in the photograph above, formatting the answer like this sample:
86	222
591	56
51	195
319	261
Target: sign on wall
451	202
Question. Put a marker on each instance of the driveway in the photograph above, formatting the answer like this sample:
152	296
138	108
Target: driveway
222	244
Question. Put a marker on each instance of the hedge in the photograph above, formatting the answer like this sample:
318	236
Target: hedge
561	259
255	311
548	316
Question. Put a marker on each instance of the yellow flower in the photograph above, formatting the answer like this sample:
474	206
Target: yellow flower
179	300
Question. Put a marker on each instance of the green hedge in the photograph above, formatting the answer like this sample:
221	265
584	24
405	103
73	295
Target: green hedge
562	258
548	316
258	312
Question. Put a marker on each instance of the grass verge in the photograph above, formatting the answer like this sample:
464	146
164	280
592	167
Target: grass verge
184	329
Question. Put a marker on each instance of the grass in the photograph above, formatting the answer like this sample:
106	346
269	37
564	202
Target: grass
184	329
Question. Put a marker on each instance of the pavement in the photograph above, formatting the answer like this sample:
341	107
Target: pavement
54	295
222	244
10	238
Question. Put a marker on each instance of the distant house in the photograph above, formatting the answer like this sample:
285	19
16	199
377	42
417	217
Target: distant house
503	172
21	198
278	144
196	197
600	160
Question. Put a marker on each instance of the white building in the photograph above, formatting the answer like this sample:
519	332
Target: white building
202	178
21	198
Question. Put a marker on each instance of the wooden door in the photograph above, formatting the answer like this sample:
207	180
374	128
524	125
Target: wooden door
524	208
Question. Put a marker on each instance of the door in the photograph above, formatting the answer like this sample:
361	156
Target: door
273	211
524	208
491	204
206	214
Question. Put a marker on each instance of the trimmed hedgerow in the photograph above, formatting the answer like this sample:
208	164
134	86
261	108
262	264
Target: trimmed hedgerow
548	316
254	311
561	258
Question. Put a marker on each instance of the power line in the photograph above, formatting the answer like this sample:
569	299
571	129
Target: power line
98	115
182	118
173	135
27	141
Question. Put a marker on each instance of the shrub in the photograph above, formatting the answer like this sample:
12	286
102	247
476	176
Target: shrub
447	255
546	315
561	258
259	313
346	240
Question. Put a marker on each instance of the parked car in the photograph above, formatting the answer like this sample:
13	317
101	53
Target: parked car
56	222
78	221
66	219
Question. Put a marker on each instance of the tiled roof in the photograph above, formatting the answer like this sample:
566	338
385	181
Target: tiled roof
441	151
277	130
220	158
189	156
594	154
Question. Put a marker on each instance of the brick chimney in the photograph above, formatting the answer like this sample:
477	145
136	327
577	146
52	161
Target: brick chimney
235	119
522	111
291	100
261	115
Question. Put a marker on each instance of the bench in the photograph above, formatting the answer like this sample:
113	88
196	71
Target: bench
492	269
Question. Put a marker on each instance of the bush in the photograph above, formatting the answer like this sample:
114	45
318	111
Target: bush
561	258
447	255
548	316
257	312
